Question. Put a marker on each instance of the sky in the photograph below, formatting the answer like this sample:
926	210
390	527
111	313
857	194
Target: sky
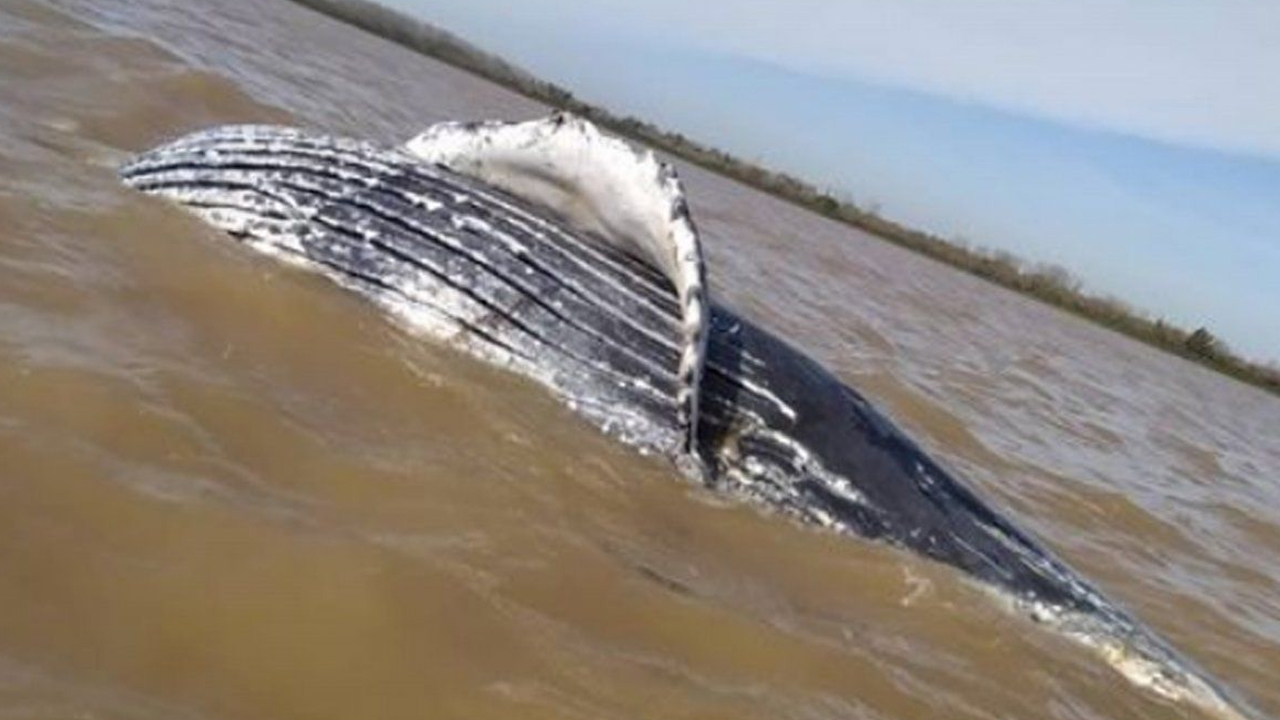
1134	142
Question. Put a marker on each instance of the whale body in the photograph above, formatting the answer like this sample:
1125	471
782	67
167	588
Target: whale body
503	277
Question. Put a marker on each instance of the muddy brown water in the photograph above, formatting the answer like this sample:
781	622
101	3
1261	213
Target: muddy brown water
229	490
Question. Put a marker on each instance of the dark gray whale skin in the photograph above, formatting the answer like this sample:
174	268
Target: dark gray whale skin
509	283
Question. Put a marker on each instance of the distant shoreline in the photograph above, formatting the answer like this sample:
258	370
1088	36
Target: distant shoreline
1048	284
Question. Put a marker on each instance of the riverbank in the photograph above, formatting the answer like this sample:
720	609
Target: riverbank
1047	284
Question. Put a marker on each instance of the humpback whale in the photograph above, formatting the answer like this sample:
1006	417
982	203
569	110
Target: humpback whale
567	256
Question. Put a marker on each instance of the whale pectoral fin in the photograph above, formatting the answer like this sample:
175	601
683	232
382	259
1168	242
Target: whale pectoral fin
615	194
690	281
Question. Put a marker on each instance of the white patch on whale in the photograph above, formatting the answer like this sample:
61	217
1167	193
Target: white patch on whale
600	184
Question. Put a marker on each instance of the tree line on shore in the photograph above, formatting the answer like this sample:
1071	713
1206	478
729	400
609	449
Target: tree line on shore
1049	284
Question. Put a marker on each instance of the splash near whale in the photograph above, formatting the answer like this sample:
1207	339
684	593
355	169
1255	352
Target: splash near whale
567	256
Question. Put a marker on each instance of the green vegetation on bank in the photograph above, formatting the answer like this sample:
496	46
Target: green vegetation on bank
1048	284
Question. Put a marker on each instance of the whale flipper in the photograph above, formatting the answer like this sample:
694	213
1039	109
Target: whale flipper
613	192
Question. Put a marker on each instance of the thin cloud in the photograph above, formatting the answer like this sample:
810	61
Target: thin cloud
1199	73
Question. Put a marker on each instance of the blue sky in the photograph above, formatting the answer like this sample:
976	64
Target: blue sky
1135	142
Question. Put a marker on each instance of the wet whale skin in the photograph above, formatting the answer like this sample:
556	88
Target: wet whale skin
486	272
